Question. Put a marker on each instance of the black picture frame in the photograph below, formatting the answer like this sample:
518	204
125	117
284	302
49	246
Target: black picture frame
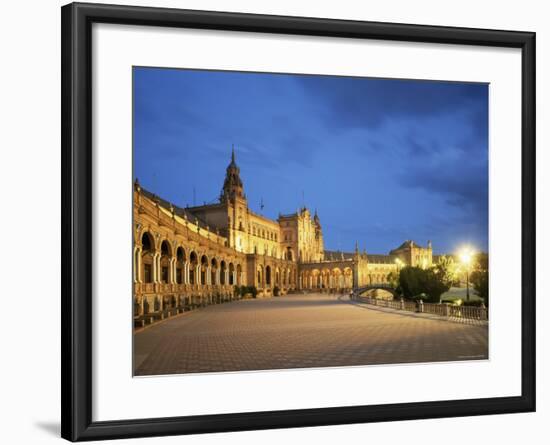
76	247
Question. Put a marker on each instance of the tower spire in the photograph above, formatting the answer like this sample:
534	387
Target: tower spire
232	186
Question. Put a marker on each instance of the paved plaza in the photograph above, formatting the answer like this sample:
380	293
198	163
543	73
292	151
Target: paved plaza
300	331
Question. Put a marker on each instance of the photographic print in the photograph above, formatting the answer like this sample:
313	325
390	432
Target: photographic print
285	221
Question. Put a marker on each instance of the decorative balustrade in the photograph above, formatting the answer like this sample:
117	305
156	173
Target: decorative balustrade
144	287
164	288
442	309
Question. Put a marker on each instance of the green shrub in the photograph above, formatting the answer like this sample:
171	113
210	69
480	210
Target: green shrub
476	303
244	290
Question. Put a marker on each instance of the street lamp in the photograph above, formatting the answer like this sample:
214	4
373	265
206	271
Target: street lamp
466	255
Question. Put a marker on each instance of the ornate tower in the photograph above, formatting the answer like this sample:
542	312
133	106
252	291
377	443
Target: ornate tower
320	248
232	186
233	199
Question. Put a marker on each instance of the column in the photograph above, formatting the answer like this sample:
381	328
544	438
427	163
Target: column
172	270
134	262
159	275
142	305
139	266
156	264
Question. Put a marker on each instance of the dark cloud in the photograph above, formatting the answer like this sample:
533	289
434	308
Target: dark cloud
354	102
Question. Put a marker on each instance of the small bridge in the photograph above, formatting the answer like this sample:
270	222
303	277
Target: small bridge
382	286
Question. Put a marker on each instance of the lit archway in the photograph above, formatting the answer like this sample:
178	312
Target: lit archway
165	259
223	269
180	265
193	266
239	275
147	257
203	269
214	271
231	274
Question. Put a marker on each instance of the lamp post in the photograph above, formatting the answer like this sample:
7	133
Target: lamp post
466	259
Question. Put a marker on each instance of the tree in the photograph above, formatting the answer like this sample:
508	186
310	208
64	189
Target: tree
410	281
432	282
480	283
447	269
482	261
480	277
393	279
436	283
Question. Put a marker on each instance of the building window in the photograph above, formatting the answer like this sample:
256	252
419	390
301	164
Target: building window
289	253
165	274
179	276
147	273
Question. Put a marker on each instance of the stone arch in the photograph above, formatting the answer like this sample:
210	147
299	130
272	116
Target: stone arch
223	269
146	306
316	278
348	277
337	277
231	274
168	302
193	267
239	275
289	254
325	274
165	262
180	265
260	275
308	279
214	271
147	257
203	269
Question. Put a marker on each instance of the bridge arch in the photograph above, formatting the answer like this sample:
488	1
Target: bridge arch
377	287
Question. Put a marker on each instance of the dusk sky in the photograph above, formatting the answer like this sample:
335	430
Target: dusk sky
381	160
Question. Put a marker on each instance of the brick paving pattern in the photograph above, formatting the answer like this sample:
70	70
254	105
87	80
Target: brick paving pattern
300	331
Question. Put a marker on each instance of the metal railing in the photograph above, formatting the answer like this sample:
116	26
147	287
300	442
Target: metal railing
442	309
